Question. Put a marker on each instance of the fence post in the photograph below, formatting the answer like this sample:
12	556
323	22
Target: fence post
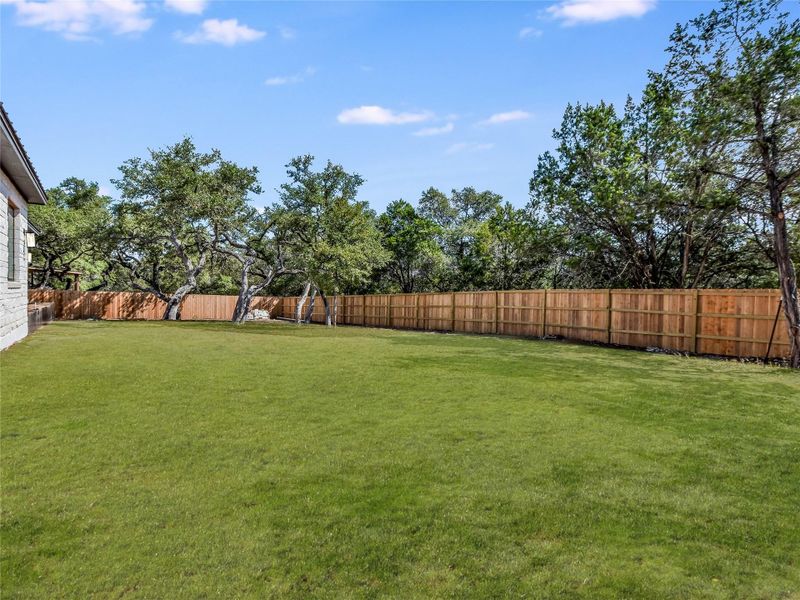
496	311
608	303
544	315
695	320
416	311
453	312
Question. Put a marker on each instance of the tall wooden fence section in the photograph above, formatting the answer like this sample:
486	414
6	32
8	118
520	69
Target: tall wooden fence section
724	322
71	304
721	322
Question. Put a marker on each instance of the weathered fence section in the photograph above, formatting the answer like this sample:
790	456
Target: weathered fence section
39	315
131	306
723	322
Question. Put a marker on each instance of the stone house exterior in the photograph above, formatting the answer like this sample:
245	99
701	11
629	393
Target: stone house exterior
19	188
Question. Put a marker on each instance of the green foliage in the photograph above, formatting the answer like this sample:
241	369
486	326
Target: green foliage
637	201
335	235
416	259
465	238
522	249
73	232
176	206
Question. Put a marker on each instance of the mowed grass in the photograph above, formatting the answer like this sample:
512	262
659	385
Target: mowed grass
199	460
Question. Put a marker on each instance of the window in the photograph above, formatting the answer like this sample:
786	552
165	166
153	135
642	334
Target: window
11	217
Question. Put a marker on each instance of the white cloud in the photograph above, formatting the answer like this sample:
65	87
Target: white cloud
468	147
427	131
573	12
377	115
289	79
287	33
529	32
79	19
228	33
189	7
506	117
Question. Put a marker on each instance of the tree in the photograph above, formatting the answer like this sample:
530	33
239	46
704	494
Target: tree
72	230
746	56
175	208
464	234
335	236
410	239
589	188
258	244
522	249
636	200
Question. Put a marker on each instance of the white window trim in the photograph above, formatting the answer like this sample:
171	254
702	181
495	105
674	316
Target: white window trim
12	243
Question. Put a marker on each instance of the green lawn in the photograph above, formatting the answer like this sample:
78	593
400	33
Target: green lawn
195	460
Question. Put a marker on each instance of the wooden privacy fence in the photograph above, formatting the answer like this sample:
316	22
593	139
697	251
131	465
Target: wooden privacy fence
71	304
722	322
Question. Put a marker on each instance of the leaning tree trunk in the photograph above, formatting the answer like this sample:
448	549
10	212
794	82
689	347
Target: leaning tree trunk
327	306
298	309
242	307
248	291
787	277
245	292
173	310
310	309
245	299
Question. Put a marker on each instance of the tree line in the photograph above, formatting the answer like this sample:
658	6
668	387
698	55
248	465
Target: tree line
692	184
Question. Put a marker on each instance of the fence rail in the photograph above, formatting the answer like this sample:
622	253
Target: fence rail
724	322
713	321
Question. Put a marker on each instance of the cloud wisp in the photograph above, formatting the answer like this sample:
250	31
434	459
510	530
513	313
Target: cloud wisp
506	117
429	131
291	79
529	32
228	32
575	12
188	7
79	20
378	115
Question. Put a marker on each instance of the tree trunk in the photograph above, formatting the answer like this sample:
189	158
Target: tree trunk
245	291
47	272
335	309
298	310
787	277
173	310
310	310
786	274
327	308
243	304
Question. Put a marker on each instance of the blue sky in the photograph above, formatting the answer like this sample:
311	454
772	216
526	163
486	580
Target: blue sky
409	95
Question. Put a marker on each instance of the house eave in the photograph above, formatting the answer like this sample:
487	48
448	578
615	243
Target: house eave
17	165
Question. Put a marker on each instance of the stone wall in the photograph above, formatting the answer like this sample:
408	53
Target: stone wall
13	294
